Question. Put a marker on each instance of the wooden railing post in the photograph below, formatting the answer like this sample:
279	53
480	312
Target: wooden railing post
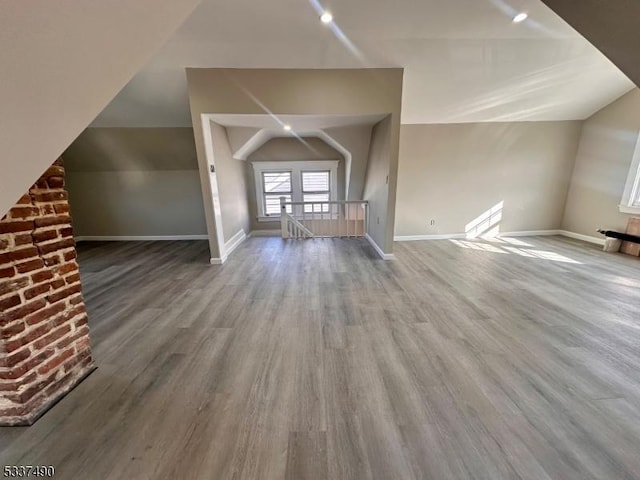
283	218
365	206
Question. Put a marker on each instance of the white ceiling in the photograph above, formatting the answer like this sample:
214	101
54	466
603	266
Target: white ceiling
464	60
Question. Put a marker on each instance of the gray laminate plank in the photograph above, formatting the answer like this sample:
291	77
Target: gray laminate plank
497	359
307	456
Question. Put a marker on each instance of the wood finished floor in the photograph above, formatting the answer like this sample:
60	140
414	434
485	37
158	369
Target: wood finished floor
314	360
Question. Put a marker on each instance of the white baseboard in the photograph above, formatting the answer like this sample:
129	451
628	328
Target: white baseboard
584	238
376	247
138	238
265	233
234	242
530	233
463	236
414	238
524	233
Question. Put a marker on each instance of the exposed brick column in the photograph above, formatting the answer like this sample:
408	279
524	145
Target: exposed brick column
44	335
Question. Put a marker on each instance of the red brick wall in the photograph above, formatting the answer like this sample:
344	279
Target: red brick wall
44	335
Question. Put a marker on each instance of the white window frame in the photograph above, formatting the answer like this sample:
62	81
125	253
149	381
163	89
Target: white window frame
631	197
262	200
296	168
316	192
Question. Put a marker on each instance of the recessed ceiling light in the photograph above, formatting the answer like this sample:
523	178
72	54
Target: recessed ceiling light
326	17
287	128
521	17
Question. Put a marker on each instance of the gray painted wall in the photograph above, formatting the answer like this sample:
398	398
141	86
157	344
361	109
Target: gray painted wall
357	140
144	181
136	203
231	185
453	173
134	182
376	184
602	165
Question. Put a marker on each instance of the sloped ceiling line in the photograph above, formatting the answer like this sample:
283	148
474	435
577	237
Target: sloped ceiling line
61	64
266	134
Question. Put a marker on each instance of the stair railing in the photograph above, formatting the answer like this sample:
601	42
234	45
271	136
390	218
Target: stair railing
324	219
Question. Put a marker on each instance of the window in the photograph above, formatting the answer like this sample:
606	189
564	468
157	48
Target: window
303	181
275	185
316	188
631	197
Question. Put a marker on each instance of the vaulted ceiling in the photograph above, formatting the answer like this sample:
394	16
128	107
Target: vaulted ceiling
612	26
464	60
60	63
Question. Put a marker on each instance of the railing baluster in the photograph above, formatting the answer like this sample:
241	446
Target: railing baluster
332	219
313	218
347	218
328	219
283	217
355	221
366	220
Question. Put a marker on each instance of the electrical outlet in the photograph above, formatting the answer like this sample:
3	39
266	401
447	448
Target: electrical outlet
433	222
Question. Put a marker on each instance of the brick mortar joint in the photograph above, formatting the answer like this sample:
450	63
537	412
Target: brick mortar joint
69	378
71	349
33	352
66	300
29	276
48	335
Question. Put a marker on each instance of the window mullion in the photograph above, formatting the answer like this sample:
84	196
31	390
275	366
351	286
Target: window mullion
296	179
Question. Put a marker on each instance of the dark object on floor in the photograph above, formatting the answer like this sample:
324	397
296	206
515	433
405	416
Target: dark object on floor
620	236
